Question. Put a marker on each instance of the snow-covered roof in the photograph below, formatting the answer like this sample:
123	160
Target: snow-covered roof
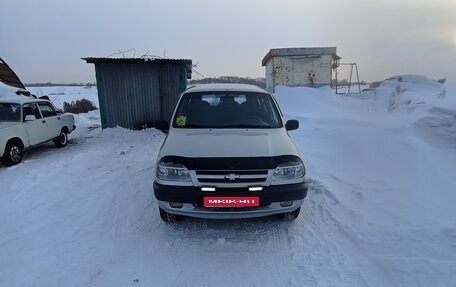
95	60
225	87
20	100
290	52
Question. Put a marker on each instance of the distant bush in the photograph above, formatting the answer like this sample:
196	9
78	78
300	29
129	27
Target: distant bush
374	85
79	107
345	82
441	81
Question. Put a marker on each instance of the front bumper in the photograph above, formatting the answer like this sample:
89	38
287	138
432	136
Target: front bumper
229	213
193	198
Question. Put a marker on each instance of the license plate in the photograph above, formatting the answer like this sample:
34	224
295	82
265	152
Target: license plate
231	201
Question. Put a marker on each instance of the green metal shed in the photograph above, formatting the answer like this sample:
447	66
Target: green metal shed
137	92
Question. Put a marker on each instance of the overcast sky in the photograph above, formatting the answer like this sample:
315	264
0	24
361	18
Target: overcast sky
44	40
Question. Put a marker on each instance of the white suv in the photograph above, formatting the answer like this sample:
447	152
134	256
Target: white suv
227	154
26	122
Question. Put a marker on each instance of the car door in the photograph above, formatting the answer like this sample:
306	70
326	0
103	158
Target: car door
36	129
52	120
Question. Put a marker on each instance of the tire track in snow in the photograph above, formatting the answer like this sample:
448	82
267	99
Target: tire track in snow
326	261
307	252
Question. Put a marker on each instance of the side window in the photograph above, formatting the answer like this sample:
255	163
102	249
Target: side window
47	110
31	109
10	112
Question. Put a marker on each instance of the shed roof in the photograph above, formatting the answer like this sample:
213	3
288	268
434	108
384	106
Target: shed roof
290	52
94	60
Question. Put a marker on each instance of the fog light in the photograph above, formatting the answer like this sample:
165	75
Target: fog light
255	188
176	204
205	188
286	203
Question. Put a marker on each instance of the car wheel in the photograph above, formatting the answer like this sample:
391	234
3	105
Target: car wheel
168	217
62	140
13	154
292	215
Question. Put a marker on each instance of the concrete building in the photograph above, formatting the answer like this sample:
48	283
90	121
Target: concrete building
299	67
135	92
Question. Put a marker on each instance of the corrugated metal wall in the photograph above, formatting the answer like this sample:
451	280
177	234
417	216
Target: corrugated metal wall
170	81
133	94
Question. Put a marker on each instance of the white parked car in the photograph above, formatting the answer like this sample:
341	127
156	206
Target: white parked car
26	122
228	154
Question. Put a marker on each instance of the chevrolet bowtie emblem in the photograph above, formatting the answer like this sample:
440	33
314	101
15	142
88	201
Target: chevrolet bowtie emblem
232	177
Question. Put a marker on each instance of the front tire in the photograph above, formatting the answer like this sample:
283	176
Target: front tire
292	215
62	140
13	154
168	217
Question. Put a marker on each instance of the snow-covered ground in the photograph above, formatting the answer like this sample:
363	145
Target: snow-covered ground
380	209
60	94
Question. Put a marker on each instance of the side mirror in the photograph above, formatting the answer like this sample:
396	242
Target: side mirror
29	118
162	126
292	125
59	111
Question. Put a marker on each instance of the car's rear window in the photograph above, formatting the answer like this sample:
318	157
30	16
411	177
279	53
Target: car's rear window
10	112
227	110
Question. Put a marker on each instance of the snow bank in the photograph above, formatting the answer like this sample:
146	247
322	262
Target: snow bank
87	118
389	176
414	80
437	129
402	92
305	101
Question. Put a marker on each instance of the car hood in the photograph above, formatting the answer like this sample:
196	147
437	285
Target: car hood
197	143
4	125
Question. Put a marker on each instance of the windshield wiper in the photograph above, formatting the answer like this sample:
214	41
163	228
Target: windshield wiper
194	127
245	126
240	126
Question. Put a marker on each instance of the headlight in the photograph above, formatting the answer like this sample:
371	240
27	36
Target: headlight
289	171
172	172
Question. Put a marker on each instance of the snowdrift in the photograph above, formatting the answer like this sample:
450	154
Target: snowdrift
402	92
438	129
412	101
305	101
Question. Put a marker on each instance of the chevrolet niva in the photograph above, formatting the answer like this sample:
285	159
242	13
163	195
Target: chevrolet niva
227	154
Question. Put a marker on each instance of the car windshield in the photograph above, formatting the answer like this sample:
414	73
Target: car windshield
227	110
10	112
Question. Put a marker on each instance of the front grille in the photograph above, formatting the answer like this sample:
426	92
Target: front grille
225	172
232	176
240	180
